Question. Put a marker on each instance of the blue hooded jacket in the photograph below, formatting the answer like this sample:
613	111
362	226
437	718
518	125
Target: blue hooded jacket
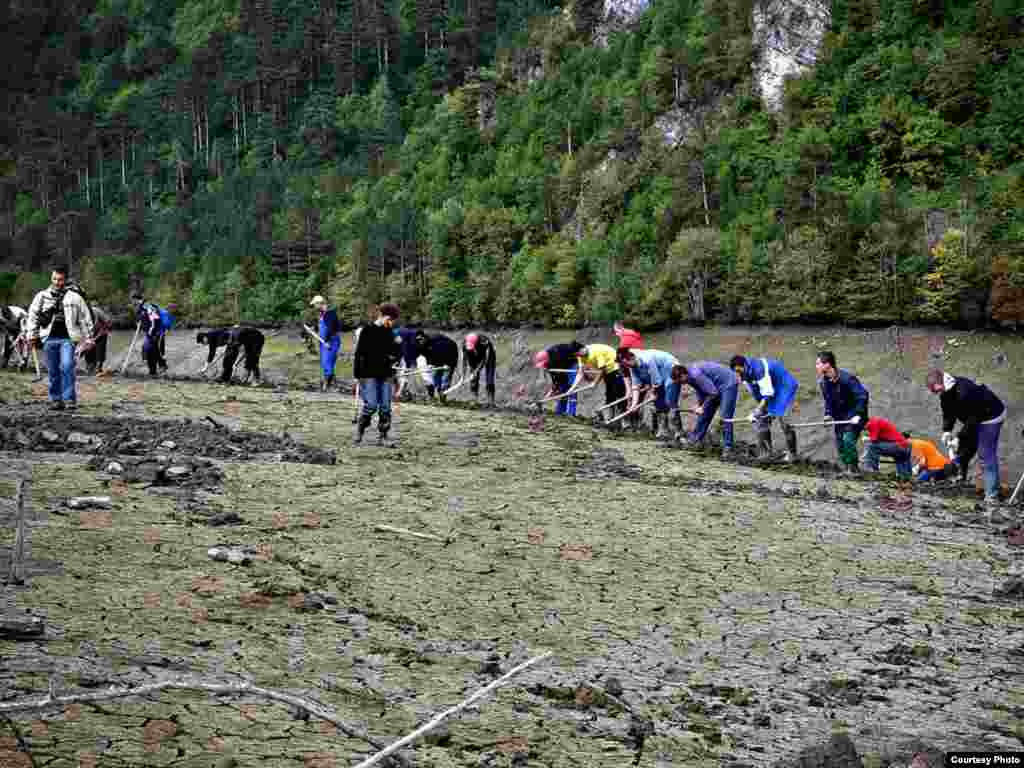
769	380
845	397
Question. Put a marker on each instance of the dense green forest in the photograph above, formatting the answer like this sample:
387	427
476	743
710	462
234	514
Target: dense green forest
486	161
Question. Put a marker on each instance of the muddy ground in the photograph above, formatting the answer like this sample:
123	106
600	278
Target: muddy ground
700	613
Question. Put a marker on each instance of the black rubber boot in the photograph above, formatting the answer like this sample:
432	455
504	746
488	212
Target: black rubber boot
764	443
383	425
364	423
430	391
790	435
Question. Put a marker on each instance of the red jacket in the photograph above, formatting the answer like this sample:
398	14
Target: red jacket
630	339
882	431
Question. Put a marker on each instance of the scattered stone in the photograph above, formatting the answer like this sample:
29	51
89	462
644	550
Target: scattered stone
21	627
49	436
225	518
492	666
838	752
23	439
79	438
89	502
1014	587
115	468
168	445
178	471
236	555
613	686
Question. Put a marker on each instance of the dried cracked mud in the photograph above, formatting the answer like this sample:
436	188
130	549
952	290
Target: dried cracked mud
700	613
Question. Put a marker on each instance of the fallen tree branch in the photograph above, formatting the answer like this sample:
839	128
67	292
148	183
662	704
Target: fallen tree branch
407	532
374	759
246	689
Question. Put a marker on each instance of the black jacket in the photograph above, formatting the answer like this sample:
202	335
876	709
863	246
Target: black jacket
216	337
970	403
377	352
481	355
439	350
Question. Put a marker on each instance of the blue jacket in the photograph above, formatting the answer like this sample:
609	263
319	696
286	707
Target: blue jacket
330	325
654	367
142	315
845	397
710	380
774	384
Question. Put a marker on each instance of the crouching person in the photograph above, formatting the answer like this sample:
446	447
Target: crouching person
716	386
375	356
928	463
884	439
249	340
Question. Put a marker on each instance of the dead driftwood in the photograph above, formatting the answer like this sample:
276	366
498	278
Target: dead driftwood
407	532
437	720
17	574
234	689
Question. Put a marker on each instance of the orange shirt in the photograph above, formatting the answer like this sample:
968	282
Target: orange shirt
924	450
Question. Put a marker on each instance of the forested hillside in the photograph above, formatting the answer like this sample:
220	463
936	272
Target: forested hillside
508	161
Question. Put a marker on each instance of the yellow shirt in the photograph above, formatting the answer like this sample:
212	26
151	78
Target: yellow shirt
600	357
923	450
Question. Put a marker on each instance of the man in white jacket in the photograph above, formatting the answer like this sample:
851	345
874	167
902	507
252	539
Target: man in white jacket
58	320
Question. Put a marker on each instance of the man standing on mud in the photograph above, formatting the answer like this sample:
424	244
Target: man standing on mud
373	365
774	388
58	319
478	354
151	322
651	369
715	386
559	360
329	328
981	413
846	399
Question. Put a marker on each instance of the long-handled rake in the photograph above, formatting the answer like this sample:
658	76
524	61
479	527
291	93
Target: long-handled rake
634	409
131	348
463	381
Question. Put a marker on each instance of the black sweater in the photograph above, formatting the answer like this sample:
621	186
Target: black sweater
440	350
970	403
378	350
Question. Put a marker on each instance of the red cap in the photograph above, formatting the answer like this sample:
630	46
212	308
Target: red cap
540	360
471	341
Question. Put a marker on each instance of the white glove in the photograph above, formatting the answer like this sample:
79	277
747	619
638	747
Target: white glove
855	420
947	438
753	416
827	418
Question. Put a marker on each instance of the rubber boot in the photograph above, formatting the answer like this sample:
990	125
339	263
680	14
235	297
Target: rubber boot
790	435
764	444
364	423
383	425
323	383
676	422
659	425
490	400
430	391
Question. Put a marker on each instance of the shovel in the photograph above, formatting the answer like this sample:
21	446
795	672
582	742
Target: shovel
623	415
464	380
131	348
314	334
1016	490
35	359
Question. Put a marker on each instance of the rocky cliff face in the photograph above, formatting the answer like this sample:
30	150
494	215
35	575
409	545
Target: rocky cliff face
617	15
787	36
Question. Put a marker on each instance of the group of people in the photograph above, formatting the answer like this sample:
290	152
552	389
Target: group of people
635	377
63	324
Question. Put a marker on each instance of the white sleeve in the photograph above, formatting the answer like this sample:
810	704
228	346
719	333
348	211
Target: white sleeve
765	384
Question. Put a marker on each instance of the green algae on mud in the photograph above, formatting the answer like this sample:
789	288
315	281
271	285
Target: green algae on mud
718	598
